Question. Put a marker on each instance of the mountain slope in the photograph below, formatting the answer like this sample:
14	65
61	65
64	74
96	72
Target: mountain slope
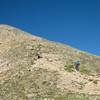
31	67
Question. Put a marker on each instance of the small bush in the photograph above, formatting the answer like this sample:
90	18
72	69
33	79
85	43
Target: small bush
84	71
95	81
69	68
90	80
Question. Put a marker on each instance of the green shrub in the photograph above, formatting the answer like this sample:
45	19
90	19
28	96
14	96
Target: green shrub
85	71
90	80
69	68
95	81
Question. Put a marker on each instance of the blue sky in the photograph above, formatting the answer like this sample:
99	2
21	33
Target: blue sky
73	22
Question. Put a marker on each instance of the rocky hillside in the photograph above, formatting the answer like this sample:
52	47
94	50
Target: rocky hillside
32	67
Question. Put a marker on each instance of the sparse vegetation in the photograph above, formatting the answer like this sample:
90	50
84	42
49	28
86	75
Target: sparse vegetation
69	68
25	74
74	96
95	81
90	80
84	70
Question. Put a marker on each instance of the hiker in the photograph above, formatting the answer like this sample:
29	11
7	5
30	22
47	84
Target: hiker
77	65
39	55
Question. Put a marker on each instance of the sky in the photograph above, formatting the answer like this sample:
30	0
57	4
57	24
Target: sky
72	22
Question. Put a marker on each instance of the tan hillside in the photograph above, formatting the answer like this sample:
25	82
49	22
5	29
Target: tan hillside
33	67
